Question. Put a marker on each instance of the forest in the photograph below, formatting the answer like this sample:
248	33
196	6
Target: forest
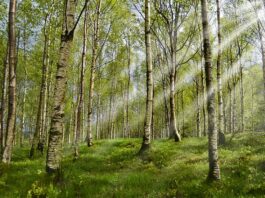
130	98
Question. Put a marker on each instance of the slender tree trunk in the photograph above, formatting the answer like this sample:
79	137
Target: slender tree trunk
3	102
153	114
203	102
262	47
173	127
112	131
98	117
252	108
183	113
242	109
234	107
225	116
230	107
54	153
43	137
83	121
48	114
128	87
241	87
198	107
22	126
124	113
214	171
178	108
139	122
71	125
76	92
149	80
12	84
79	120
173	122
221	135
167	121
92	74
16	134
110	111
38	134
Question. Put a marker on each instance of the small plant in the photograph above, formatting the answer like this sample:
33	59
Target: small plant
36	191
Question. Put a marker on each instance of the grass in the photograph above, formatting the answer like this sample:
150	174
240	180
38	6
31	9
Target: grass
112	169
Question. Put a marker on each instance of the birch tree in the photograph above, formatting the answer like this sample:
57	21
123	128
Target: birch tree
149	80
214	171
54	152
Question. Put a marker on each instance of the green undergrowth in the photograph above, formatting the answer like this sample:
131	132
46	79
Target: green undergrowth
113	169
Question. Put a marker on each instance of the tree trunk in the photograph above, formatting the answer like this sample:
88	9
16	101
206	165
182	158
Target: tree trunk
198	106
38	134
110	111
43	137
128	87
203	102
79	119
242	109
262	47
183	113
22	126
167	122
225	115
92	74
12	84
48	110
252	108
241	87
3	102
230	107
124	112
149	80
153	114
221	135
173	122
214	171
234	107
54	153
98	117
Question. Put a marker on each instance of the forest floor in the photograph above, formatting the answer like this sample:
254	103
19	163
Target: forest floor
111	168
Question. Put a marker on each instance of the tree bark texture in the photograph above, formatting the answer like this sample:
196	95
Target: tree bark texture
214	170
221	135
54	153
3	102
12	84
149	80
